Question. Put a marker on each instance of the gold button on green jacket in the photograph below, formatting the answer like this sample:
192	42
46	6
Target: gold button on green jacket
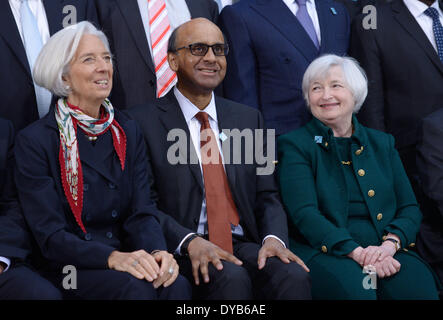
313	187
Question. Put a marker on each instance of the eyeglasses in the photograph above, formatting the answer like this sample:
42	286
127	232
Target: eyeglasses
200	49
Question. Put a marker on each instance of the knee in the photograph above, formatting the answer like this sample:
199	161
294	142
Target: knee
291	282
180	290
233	282
136	289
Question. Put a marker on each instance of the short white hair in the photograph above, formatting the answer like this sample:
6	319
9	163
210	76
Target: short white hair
54	59
354	75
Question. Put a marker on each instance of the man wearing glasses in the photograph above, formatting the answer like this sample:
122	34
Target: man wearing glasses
223	220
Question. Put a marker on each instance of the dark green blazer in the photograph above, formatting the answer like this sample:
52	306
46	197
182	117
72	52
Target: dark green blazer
313	188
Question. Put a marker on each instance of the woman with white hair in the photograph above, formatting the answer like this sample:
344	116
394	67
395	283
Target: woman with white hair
353	215
83	184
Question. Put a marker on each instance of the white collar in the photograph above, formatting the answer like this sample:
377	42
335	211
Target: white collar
190	110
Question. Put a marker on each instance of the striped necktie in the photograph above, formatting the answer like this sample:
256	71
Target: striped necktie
160	31
438	30
33	43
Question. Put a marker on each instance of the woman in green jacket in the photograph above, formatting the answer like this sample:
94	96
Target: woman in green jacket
353	215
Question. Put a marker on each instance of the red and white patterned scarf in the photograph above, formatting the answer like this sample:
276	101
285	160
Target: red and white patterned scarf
68	117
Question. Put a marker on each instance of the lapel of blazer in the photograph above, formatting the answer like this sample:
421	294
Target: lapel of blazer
54	12
92	156
408	22
226	120
172	118
194	8
279	15
9	32
131	14
325	20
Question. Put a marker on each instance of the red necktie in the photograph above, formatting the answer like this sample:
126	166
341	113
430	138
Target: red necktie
220	206
160	30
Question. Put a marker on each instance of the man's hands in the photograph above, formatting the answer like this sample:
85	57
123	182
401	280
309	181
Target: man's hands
274	248
142	265
202	252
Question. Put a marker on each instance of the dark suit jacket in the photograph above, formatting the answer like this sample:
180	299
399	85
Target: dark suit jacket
17	96
405	76
117	212
179	188
430	167
14	235
269	53
134	71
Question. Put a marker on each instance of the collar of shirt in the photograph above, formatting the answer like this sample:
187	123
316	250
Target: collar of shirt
190	110
417	8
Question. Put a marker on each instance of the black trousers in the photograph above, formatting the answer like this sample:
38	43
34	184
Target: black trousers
116	285
276	281
22	283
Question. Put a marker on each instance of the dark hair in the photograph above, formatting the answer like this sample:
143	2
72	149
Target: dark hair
171	40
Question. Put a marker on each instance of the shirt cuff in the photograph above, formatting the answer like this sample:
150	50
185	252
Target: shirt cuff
5	261
272	236
177	251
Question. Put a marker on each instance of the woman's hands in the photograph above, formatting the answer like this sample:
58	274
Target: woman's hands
159	267
381	257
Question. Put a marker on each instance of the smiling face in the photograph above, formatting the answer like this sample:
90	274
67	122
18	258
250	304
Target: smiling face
90	74
198	75
330	99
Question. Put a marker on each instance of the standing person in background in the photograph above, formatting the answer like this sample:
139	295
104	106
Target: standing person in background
25	26
403	59
138	32
272	43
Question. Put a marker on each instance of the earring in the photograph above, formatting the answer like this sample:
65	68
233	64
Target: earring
67	88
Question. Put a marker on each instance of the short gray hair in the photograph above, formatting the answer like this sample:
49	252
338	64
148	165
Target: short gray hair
355	76
56	55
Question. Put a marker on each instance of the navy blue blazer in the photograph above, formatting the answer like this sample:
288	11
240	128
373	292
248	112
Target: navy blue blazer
17	96
269	53
117	211
178	189
14	236
134	72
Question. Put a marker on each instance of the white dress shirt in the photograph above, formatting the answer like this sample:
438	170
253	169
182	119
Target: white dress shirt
189	111
38	10
417	9
312	11
178	13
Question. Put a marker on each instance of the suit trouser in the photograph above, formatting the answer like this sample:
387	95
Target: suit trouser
276	281
21	283
342	278
117	285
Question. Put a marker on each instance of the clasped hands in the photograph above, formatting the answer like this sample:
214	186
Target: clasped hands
160	267
381	257
202	252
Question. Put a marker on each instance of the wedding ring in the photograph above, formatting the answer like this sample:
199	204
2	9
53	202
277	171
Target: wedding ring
135	263
171	270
